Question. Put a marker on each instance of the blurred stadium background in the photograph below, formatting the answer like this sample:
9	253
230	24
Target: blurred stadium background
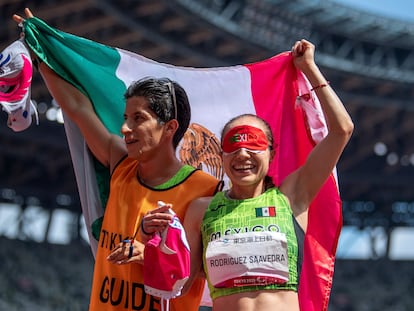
46	263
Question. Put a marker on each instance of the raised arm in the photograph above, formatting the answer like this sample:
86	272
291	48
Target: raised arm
106	147
303	185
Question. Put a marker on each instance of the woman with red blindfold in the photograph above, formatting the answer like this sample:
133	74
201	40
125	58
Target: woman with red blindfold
252	234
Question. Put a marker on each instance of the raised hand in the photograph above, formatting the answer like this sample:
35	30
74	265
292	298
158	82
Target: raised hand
303	53
18	19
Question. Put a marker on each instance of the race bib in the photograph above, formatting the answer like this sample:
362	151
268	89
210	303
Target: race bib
247	259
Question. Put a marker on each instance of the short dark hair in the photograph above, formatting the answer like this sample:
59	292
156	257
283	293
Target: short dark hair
167	99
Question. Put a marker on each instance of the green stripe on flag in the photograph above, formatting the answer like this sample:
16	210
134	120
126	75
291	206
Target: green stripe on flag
88	65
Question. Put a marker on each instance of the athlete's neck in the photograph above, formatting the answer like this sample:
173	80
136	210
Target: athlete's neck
245	192
159	173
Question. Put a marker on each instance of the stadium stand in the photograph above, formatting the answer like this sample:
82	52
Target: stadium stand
43	276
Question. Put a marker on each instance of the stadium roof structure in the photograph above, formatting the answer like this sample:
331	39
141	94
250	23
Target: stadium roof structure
368	59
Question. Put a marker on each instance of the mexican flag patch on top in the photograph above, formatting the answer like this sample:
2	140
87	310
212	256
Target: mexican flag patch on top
269	211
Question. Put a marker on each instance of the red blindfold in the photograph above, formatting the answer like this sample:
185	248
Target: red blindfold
245	136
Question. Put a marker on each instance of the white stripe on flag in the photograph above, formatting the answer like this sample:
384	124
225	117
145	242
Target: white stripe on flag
215	94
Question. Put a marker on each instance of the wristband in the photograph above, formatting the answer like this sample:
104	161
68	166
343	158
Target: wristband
313	89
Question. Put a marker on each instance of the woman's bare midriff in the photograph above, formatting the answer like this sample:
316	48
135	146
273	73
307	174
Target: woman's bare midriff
263	300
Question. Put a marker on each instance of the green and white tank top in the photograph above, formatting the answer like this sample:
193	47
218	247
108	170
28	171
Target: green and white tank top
249	244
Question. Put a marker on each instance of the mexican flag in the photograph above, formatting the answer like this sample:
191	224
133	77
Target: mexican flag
266	211
269	88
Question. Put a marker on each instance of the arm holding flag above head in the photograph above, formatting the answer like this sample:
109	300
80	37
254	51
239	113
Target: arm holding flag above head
318	177
107	148
78	107
302	185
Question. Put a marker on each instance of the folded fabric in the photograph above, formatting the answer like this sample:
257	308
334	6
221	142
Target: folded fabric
167	262
15	86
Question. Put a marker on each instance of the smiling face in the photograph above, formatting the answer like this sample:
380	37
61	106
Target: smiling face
144	135
247	168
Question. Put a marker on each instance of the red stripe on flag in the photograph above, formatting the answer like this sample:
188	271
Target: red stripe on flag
274	86
271	87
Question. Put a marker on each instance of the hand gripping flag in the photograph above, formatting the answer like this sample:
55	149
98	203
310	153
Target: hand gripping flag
268	88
